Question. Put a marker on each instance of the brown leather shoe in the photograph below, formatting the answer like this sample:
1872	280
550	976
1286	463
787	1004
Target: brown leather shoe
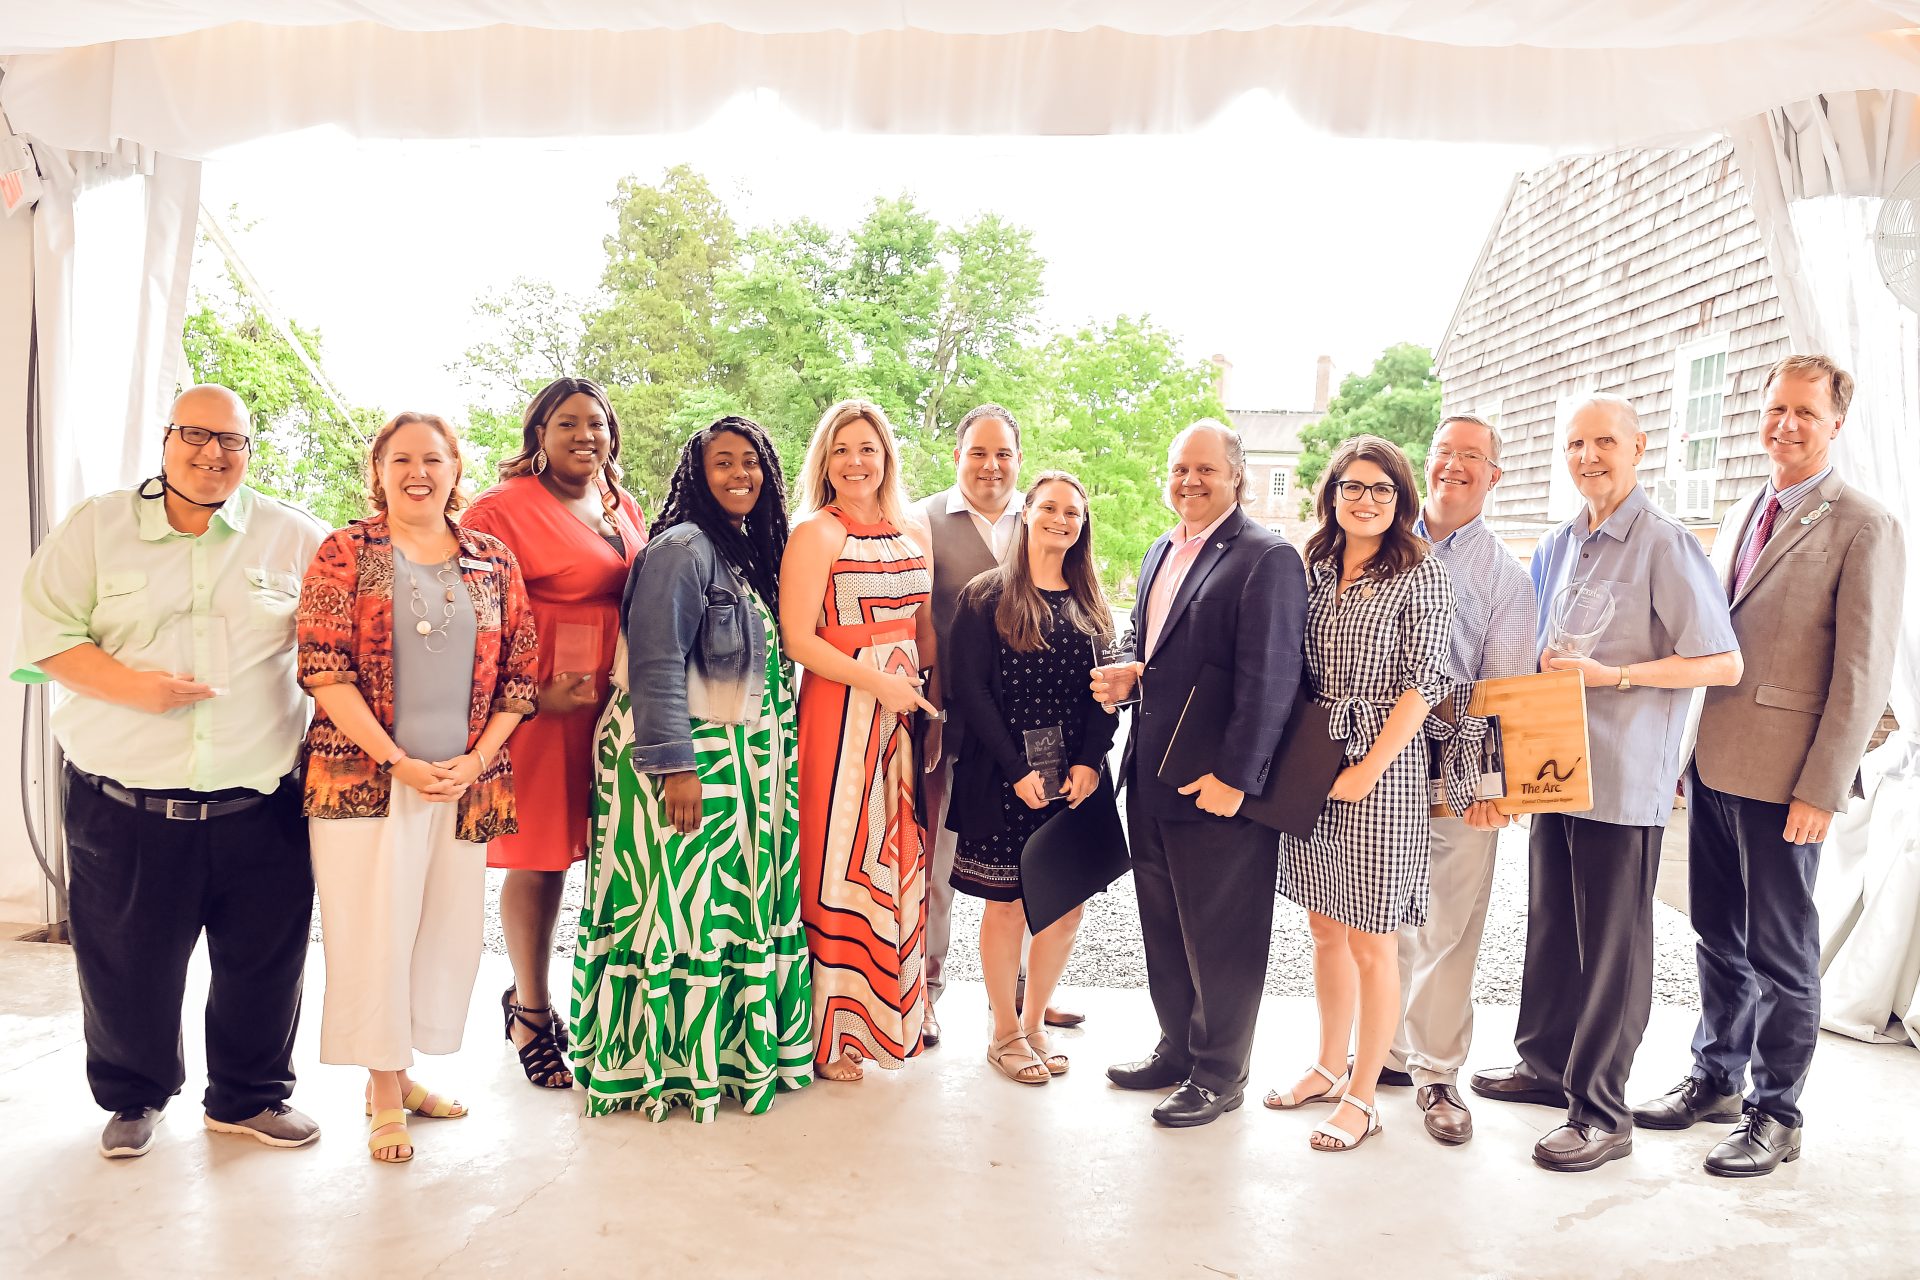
1055	1016
1576	1148
1517	1084
929	1029
1446	1116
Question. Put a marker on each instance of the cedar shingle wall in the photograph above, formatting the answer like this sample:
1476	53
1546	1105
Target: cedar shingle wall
1601	269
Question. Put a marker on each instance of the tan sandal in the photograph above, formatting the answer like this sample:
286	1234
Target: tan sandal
1028	1060
852	1057
395	1120
1056	1063
430	1105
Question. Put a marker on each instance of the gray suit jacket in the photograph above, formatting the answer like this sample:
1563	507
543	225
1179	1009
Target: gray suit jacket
1817	621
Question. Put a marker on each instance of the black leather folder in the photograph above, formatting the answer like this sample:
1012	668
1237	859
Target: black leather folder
1076	854
1304	764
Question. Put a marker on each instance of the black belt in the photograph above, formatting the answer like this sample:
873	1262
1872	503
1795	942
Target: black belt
177	808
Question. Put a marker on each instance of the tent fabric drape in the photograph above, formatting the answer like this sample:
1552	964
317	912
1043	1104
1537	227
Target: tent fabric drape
1490	71
1818	170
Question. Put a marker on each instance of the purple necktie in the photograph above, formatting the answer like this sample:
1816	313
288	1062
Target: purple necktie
1751	556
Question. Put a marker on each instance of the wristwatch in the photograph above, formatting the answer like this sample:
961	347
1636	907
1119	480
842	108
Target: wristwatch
386	766
1625	683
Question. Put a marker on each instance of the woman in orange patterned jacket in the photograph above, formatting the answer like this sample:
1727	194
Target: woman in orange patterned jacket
417	643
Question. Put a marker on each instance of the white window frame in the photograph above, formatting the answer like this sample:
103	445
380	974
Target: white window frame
1694	427
1279	484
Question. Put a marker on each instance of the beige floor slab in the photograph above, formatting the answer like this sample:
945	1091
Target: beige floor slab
942	1169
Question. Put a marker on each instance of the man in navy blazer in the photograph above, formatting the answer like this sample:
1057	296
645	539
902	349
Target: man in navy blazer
1215	590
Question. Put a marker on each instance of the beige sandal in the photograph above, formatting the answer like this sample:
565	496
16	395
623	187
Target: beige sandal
393	1119
1027	1060
852	1058
1056	1063
430	1105
1279	1101
1343	1140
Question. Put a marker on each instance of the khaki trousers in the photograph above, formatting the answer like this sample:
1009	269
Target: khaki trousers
1437	958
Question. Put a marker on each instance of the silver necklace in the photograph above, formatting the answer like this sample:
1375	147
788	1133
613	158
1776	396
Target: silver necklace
426	630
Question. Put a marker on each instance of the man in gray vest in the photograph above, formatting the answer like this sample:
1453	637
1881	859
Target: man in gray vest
964	530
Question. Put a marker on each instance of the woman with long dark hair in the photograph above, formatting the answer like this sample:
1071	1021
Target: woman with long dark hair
690	977
560	508
1024	636
1379	616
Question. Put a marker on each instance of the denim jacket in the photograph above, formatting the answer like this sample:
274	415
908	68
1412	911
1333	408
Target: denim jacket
694	647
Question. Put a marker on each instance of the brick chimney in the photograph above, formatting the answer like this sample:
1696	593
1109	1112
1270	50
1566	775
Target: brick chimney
1322	383
1221	368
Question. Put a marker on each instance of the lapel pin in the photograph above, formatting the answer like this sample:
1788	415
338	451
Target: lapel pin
1816	513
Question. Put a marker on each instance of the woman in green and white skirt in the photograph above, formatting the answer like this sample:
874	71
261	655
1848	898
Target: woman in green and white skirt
690	980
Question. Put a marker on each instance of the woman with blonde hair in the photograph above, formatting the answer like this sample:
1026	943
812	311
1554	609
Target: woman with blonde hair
852	595
417	644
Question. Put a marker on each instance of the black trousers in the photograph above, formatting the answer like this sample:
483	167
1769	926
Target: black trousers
1587	989
1206	914
141	890
1751	896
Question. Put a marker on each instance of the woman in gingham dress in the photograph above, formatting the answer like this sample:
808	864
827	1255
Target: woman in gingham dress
1378	615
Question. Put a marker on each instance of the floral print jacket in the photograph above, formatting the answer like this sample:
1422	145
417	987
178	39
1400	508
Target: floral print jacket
345	630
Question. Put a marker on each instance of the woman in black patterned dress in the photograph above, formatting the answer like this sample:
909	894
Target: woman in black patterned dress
1379	615
1023	639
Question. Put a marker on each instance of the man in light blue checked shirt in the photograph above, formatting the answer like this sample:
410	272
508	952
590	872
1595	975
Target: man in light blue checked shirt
1587	989
1493	620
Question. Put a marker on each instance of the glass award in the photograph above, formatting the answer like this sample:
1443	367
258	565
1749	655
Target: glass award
1581	613
576	650
1112	655
1047	756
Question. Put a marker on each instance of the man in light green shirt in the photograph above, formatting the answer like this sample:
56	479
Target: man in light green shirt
165	614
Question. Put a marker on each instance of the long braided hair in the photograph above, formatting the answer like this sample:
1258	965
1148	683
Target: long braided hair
753	551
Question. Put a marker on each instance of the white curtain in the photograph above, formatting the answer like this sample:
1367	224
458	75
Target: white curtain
1818	171
1576	77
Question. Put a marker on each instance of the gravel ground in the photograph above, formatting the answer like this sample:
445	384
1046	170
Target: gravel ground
1109	954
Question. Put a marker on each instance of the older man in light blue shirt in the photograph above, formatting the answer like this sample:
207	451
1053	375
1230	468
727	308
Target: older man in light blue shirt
1587	989
1493	622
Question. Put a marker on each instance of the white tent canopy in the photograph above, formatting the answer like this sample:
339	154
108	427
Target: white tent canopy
190	78
121	99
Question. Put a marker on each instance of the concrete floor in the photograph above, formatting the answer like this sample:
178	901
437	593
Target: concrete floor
942	1169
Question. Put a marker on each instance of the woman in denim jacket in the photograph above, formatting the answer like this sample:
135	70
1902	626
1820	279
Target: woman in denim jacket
691	975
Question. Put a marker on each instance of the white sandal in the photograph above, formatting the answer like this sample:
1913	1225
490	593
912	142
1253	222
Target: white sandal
1347	1141
1278	1101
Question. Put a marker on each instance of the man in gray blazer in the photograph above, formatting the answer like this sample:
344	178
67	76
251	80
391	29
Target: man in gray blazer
1814	570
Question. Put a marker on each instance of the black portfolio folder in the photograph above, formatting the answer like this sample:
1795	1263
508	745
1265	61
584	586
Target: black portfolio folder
1076	854
1304	764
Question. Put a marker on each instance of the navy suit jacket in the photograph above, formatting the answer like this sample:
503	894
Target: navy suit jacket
1243	607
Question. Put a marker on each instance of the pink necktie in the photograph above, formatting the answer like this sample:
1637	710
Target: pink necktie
1751	556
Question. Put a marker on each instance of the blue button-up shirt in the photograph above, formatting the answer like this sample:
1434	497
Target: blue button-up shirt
1667	600
1493	613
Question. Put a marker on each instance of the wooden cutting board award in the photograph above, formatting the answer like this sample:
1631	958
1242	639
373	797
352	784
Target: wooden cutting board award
1543	739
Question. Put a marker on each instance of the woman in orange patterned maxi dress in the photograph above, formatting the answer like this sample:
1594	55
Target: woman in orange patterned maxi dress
852	597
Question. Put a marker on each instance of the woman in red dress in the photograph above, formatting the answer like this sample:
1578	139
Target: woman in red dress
560	510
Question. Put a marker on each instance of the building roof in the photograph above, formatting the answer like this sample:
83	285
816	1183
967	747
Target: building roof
1271	430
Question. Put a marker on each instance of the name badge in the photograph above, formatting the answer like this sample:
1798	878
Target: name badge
478	566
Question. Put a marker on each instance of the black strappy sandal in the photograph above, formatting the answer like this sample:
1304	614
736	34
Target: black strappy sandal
543	1058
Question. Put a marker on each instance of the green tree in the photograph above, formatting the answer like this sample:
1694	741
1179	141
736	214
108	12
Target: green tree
1111	398
652	337
1398	399
535	336
305	449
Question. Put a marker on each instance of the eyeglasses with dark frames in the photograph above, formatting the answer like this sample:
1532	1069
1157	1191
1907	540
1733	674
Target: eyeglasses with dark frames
1352	489
197	437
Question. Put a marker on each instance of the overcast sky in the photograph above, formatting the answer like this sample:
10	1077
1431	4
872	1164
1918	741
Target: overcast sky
1256	237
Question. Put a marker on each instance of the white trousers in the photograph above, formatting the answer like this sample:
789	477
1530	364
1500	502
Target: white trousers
1437	958
402	907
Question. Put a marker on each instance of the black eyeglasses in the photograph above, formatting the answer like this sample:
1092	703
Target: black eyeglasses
231	441
1352	489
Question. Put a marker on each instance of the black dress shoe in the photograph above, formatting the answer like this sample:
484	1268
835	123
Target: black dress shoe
1517	1084
1388	1076
1758	1145
1576	1148
1193	1104
1155	1071
1687	1104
